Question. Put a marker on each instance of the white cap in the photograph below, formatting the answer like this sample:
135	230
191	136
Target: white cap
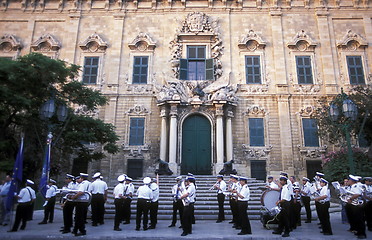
30	182
146	180
52	181
319	174
178	178
305	178
354	178
128	178
121	178
97	175
84	175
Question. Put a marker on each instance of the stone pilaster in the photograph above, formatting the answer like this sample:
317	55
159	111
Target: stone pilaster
219	137
163	135
173	138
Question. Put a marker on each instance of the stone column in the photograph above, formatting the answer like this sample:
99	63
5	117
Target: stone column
163	135
219	137
173	139
229	137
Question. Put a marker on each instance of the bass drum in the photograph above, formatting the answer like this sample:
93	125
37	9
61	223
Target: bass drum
269	199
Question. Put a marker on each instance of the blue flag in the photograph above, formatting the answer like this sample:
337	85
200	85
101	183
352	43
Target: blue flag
16	179
46	167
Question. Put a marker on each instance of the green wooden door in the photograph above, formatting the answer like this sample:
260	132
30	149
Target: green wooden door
196	145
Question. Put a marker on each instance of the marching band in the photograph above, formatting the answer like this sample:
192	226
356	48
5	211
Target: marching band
79	193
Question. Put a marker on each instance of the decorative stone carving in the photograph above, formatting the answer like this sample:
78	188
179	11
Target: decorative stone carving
142	42
138	110
305	88
197	24
135	151
352	41
312	152
9	43
255	110
46	43
251	42
139	88
82	110
94	43
307	111
256	152
302	42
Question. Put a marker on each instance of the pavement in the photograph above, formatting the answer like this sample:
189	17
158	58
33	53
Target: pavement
203	229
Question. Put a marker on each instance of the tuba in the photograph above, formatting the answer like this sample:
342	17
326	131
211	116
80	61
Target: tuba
69	193
346	196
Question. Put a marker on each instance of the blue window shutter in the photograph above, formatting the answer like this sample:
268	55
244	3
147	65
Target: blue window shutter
256	132
310	131
355	68
209	69
304	70
90	72
252	70
183	69
140	68
137	131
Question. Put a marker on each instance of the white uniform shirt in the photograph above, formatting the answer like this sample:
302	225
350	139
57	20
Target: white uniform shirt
72	185
324	191
222	186
175	194
244	191
273	185
26	195
192	192
285	193
98	187
306	189
144	192
128	189
355	189
51	192
84	186
119	190
155	192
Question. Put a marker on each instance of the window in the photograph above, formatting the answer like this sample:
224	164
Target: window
252	70
136	133
256	132
90	70
355	67
310	130
258	169
135	168
196	66
304	72
140	67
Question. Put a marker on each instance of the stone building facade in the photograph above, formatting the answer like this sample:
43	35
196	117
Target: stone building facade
197	83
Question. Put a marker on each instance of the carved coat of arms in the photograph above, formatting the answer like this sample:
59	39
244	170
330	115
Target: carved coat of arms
196	22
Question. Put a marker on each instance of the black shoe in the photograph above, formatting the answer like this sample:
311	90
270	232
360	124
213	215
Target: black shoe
172	225
362	237
308	221
80	234
231	222
13	230
285	235
319	224
327	233
126	222
101	223
238	228
22	227
277	232
5	224
151	227
42	223
137	229
117	229
244	233
65	231
184	234
74	231
94	224
145	228
218	221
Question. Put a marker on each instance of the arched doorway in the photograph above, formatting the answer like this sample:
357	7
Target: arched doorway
196	145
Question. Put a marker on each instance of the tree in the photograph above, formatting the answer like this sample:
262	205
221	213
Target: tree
25	85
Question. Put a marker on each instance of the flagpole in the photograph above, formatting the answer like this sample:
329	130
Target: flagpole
46	166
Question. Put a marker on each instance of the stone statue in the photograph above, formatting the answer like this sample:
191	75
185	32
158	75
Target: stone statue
228	168
163	168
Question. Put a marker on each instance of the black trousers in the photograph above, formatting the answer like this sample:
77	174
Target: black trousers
126	210
68	210
306	202
243	217
49	210
317	209
283	217
292	215
357	213
143	206
80	216
22	215
119	210
154	206
324	217
350	216
234	209
187	218
221	209
368	214
297	213
177	206
98	208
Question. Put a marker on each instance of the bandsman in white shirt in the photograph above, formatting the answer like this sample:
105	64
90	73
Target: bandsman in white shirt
243	197
50	201
119	202
271	185
295	204
368	202
99	197
67	205
305	197
154	205
177	202
355	214
128	195
188	199
233	185
323	199
81	204
220	186
284	204
26	198
144	194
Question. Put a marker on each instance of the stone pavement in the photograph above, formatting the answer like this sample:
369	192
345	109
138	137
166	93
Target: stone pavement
205	229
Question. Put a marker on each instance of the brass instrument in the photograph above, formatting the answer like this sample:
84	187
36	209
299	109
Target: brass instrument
69	194
346	196
214	186
316	194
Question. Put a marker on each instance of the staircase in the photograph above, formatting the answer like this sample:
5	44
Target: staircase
206	206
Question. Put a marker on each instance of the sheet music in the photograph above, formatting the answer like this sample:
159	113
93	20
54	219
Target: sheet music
336	185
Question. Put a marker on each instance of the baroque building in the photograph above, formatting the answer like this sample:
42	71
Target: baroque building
197	83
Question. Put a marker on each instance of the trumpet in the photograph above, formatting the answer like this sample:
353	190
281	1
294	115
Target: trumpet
214	186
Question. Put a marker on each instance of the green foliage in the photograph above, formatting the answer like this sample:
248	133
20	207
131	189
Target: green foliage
27	83
336	164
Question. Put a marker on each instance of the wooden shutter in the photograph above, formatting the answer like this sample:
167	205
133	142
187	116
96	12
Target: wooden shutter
209	69
183	69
